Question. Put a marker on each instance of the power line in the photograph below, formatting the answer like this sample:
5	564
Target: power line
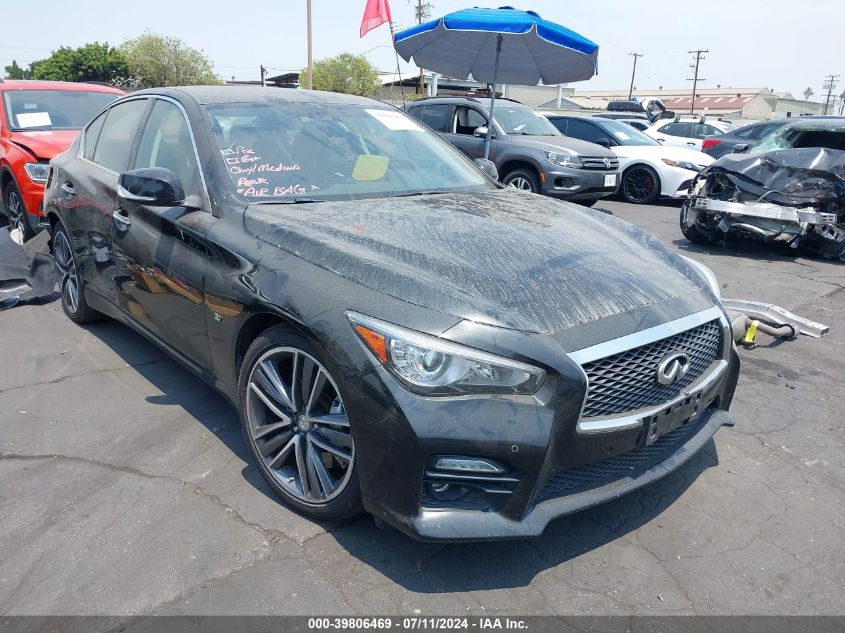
699	55
830	82
633	73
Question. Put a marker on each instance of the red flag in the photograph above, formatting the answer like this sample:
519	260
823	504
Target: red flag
376	13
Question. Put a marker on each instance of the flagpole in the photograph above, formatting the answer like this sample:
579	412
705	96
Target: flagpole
309	82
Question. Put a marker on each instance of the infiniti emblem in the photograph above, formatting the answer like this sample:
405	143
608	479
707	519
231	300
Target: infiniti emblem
673	367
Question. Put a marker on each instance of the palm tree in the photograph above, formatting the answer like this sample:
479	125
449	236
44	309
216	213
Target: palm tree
808	92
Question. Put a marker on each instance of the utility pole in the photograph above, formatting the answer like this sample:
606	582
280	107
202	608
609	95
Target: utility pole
633	74
309	82
699	55
423	13
830	82
263	74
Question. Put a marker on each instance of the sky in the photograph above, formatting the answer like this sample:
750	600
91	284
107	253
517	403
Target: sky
786	46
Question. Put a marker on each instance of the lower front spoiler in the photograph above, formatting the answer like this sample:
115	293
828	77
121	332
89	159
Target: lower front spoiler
467	525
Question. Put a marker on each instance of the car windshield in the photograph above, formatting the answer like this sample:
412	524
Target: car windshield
625	134
801	136
53	109
521	120
304	152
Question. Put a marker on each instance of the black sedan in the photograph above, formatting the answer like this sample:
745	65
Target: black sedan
397	332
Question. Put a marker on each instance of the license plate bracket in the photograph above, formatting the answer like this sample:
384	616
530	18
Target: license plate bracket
668	419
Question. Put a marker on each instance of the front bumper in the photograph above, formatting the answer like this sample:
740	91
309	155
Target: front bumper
539	440
578	184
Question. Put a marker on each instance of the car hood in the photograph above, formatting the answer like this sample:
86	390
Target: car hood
503	258
44	144
659	152
556	143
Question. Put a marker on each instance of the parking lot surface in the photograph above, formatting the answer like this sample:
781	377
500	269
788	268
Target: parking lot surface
126	490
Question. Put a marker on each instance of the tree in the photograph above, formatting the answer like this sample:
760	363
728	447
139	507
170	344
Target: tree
346	73
808	92
162	60
91	62
16	72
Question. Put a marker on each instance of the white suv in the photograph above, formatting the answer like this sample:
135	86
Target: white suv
686	131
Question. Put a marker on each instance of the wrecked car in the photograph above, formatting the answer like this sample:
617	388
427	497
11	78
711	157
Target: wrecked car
461	359
789	189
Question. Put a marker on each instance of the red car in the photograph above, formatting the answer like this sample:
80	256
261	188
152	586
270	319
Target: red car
39	119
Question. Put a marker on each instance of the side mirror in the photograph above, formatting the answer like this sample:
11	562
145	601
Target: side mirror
741	148
488	167
603	141
153	186
480	131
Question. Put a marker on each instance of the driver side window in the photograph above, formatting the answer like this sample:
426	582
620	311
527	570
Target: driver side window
467	120
166	142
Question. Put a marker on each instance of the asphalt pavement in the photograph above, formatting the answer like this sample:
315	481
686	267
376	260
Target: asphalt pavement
125	490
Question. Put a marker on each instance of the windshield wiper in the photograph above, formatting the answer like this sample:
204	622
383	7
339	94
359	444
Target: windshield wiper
419	193
287	201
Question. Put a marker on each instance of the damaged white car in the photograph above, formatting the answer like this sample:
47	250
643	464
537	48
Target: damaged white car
790	189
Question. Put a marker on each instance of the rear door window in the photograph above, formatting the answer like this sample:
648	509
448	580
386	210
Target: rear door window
118	134
92	133
677	129
436	116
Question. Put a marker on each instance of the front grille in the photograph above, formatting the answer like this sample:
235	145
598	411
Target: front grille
627	381
629	464
597	162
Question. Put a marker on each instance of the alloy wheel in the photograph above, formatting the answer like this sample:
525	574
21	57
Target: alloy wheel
14	207
521	183
298	425
638	185
66	271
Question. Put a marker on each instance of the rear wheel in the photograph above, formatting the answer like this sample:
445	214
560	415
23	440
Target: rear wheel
295	424
16	211
640	185
523	179
70	281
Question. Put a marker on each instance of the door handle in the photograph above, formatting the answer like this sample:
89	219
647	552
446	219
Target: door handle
122	220
68	190
688	143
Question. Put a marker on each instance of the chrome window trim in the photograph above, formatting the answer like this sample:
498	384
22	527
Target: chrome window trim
80	154
644	337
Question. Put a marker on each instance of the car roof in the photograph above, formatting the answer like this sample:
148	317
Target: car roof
31	84
484	102
210	95
817	123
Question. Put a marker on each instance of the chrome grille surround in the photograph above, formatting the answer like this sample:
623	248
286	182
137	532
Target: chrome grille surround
621	374
597	162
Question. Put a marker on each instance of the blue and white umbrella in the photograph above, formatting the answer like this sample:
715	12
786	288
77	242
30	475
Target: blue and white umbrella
499	45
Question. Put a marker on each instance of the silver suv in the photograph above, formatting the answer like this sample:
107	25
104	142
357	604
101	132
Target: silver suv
529	152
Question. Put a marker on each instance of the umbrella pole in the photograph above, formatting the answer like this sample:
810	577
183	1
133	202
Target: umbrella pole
492	99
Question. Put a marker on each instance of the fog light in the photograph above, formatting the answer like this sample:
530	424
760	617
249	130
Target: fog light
464	465
445	492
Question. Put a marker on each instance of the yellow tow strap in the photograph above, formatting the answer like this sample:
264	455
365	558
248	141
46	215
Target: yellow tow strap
751	333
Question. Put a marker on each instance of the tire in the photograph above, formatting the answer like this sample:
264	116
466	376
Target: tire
71	285
523	179
693	232
301	442
16	211
640	185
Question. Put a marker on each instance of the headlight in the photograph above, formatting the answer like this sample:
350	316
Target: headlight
37	172
431	366
708	274
682	164
564	160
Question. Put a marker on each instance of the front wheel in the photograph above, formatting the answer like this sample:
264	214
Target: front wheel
523	179
296	426
640	185
16	211
692	230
